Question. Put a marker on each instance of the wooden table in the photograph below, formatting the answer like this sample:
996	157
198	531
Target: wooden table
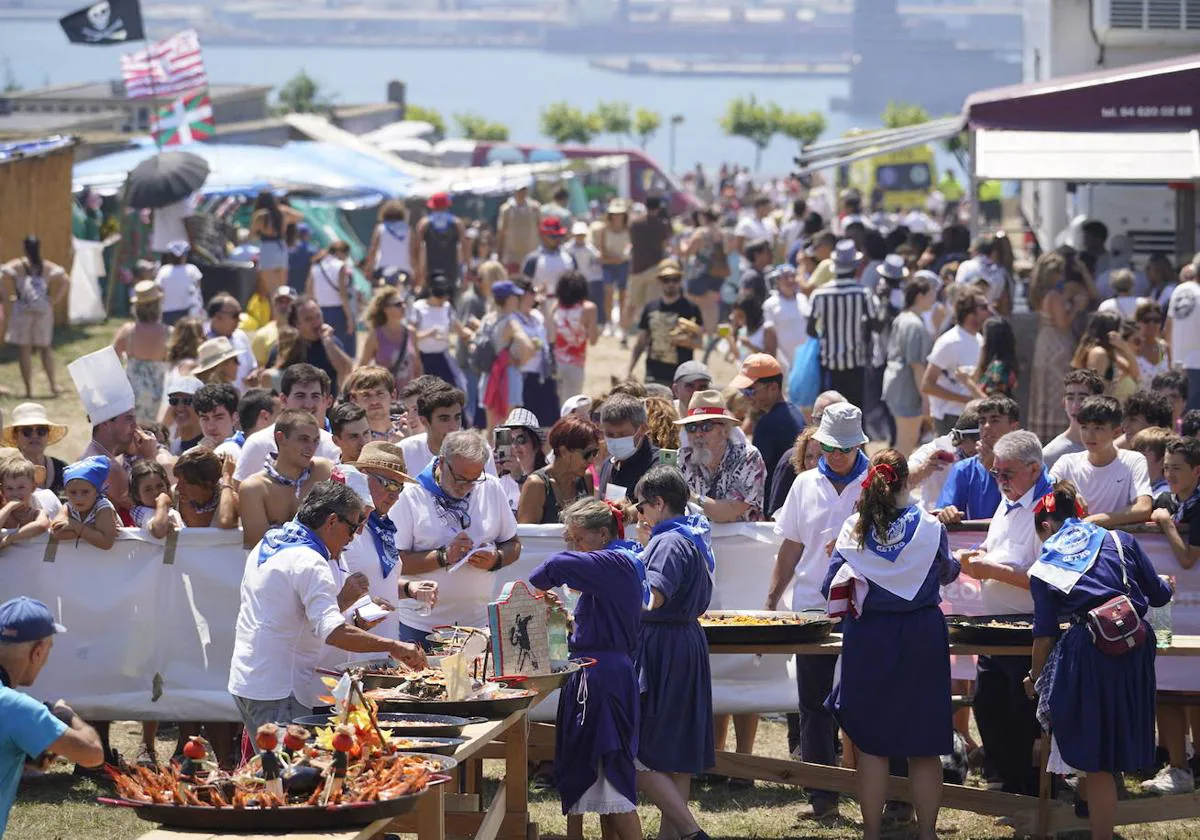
1039	816
440	811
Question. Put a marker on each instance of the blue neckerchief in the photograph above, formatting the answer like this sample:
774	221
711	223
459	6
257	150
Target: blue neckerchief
327	426
290	535
1074	547
860	466
238	437
633	551
383	532
445	502
698	531
441	220
899	535
397	229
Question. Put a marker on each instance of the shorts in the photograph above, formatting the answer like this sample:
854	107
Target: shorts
617	275
30	326
702	284
643	288
272	254
255	713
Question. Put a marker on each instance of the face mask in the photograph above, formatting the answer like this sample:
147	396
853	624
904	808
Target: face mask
621	448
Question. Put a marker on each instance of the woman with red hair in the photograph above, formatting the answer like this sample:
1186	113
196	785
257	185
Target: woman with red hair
575	443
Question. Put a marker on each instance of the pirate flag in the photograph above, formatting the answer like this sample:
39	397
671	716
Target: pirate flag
105	22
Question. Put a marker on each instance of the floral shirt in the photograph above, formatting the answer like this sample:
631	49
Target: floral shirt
741	477
999	378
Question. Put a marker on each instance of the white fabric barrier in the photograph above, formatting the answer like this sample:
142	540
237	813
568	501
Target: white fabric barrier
150	631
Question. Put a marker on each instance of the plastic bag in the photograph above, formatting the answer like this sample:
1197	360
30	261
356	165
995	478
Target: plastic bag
804	380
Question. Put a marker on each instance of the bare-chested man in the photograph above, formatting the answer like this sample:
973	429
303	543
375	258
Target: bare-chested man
271	497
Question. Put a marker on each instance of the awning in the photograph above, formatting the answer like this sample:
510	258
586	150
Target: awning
1161	96
847	150
1101	156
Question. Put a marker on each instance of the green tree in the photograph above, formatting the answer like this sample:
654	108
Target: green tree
903	114
563	123
429	115
302	94
646	124
804	128
11	85
474	127
746	117
614	118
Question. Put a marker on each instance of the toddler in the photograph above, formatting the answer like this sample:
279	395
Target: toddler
88	514
21	511
153	507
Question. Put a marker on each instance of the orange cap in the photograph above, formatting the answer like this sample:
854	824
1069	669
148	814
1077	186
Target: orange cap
756	366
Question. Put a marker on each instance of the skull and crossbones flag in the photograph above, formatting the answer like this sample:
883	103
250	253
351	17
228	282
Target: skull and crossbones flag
104	23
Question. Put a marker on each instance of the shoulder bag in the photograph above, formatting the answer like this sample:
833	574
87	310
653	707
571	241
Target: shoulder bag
1115	626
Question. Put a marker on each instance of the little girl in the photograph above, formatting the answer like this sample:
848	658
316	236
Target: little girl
21	511
88	514
153	507
180	283
996	372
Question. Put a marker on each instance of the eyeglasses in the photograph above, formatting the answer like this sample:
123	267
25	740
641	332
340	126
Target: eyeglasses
519	440
845	450
397	304
749	392
1003	475
35	431
705	426
179	400
388	484
669	280
353	526
641	507
471	481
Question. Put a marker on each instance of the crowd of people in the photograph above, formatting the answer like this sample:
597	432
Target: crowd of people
367	456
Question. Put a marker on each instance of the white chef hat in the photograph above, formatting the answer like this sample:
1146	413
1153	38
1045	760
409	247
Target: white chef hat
102	384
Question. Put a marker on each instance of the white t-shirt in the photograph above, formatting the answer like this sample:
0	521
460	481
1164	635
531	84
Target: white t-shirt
931	487
288	609
326	280
417	455
982	268
393	246
230	448
246	360
168	224
262	443
952	350
427	316
750	228
813	515
1123	305
1185	327
1060	446
1011	541
361	555
463	595
48	501
790	319
1109	488
181	287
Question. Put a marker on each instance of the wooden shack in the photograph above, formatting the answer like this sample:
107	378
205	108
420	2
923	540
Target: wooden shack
35	197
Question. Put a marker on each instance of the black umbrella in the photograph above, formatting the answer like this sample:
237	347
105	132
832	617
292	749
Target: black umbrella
166	178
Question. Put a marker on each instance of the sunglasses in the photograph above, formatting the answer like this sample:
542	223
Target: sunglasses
1003	475
668	280
388	484
35	431
705	426
845	450
353	526
179	400
397	304
640	507
519	440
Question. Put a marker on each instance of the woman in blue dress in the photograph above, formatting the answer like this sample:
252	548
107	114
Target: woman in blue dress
1098	707
598	708
676	740
892	692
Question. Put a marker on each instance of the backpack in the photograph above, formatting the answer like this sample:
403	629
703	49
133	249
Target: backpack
481	350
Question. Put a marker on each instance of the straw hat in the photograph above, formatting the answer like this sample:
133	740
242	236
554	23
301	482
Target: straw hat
146	291
214	352
383	458
618	207
706	405
32	414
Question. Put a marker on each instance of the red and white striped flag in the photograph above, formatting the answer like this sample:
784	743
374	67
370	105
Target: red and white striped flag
166	68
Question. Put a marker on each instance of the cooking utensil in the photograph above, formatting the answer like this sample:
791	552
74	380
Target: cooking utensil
438	726
493	708
546	683
803	628
1015	630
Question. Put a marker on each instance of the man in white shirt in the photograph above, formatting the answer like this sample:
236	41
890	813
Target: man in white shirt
954	349
982	268
755	225
1078	385
1115	483
168	224
1006	717
441	412
224	314
350	429
216	405
306	388
809	521
787	310
457	514
290	610
1183	330
928	470
551	261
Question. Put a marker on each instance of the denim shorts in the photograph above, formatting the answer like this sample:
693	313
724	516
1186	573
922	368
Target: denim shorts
617	275
272	253
255	713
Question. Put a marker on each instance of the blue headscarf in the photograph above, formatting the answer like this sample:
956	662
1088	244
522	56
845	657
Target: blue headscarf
860	466
633	550
696	528
290	535
444	501
93	470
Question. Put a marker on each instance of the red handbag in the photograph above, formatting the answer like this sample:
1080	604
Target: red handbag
1115	626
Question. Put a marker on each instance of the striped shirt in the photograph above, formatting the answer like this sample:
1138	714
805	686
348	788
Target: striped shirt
843	310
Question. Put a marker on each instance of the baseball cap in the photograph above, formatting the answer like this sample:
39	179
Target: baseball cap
579	229
690	370
183	385
26	620
576	403
286	291
553	226
505	289
756	366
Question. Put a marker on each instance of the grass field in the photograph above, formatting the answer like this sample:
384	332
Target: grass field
59	806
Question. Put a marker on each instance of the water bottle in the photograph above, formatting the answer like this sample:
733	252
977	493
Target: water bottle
1160	619
557	625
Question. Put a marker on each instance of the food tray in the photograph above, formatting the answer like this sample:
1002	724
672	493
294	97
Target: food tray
546	683
437	726
369	680
492	708
288	818
999	630
801	628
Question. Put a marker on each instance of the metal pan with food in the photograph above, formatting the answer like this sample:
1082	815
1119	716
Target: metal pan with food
993	630
765	627
560	672
407	725
451	638
495	703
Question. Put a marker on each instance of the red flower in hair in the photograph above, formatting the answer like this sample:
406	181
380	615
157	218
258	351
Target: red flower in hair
884	470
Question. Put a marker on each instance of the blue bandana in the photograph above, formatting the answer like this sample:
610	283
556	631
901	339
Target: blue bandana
860	466
397	229
448	506
93	470
698	531
1067	555
383	531
441	220
291	535
632	550
897	537
238	437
